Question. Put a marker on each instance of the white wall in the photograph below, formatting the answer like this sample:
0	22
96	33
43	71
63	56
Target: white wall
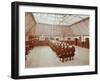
5	41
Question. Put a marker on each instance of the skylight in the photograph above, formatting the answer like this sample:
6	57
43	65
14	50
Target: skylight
58	19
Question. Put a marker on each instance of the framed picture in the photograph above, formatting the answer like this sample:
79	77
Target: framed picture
50	40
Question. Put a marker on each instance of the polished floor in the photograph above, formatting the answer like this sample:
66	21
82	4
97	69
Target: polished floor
44	56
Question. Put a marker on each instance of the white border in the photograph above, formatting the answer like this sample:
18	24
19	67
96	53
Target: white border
53	70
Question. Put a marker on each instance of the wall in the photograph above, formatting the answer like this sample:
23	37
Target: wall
5	40
81	28
47	30
53	30
30	23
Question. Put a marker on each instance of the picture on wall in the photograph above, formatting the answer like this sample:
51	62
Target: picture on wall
50	40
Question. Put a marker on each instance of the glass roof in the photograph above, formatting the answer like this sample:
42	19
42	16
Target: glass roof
58	19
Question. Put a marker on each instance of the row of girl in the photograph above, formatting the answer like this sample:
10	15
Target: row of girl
64	51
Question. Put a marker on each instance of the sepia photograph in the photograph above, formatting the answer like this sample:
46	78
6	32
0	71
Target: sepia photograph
54	40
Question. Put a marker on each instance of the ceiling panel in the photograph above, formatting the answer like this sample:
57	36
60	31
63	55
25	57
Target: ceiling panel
58	19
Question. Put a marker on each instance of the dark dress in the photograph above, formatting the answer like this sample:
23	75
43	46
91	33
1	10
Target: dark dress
72	52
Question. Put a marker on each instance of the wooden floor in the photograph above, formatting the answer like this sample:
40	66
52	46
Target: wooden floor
44	56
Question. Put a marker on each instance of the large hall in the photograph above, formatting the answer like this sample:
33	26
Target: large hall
56	40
